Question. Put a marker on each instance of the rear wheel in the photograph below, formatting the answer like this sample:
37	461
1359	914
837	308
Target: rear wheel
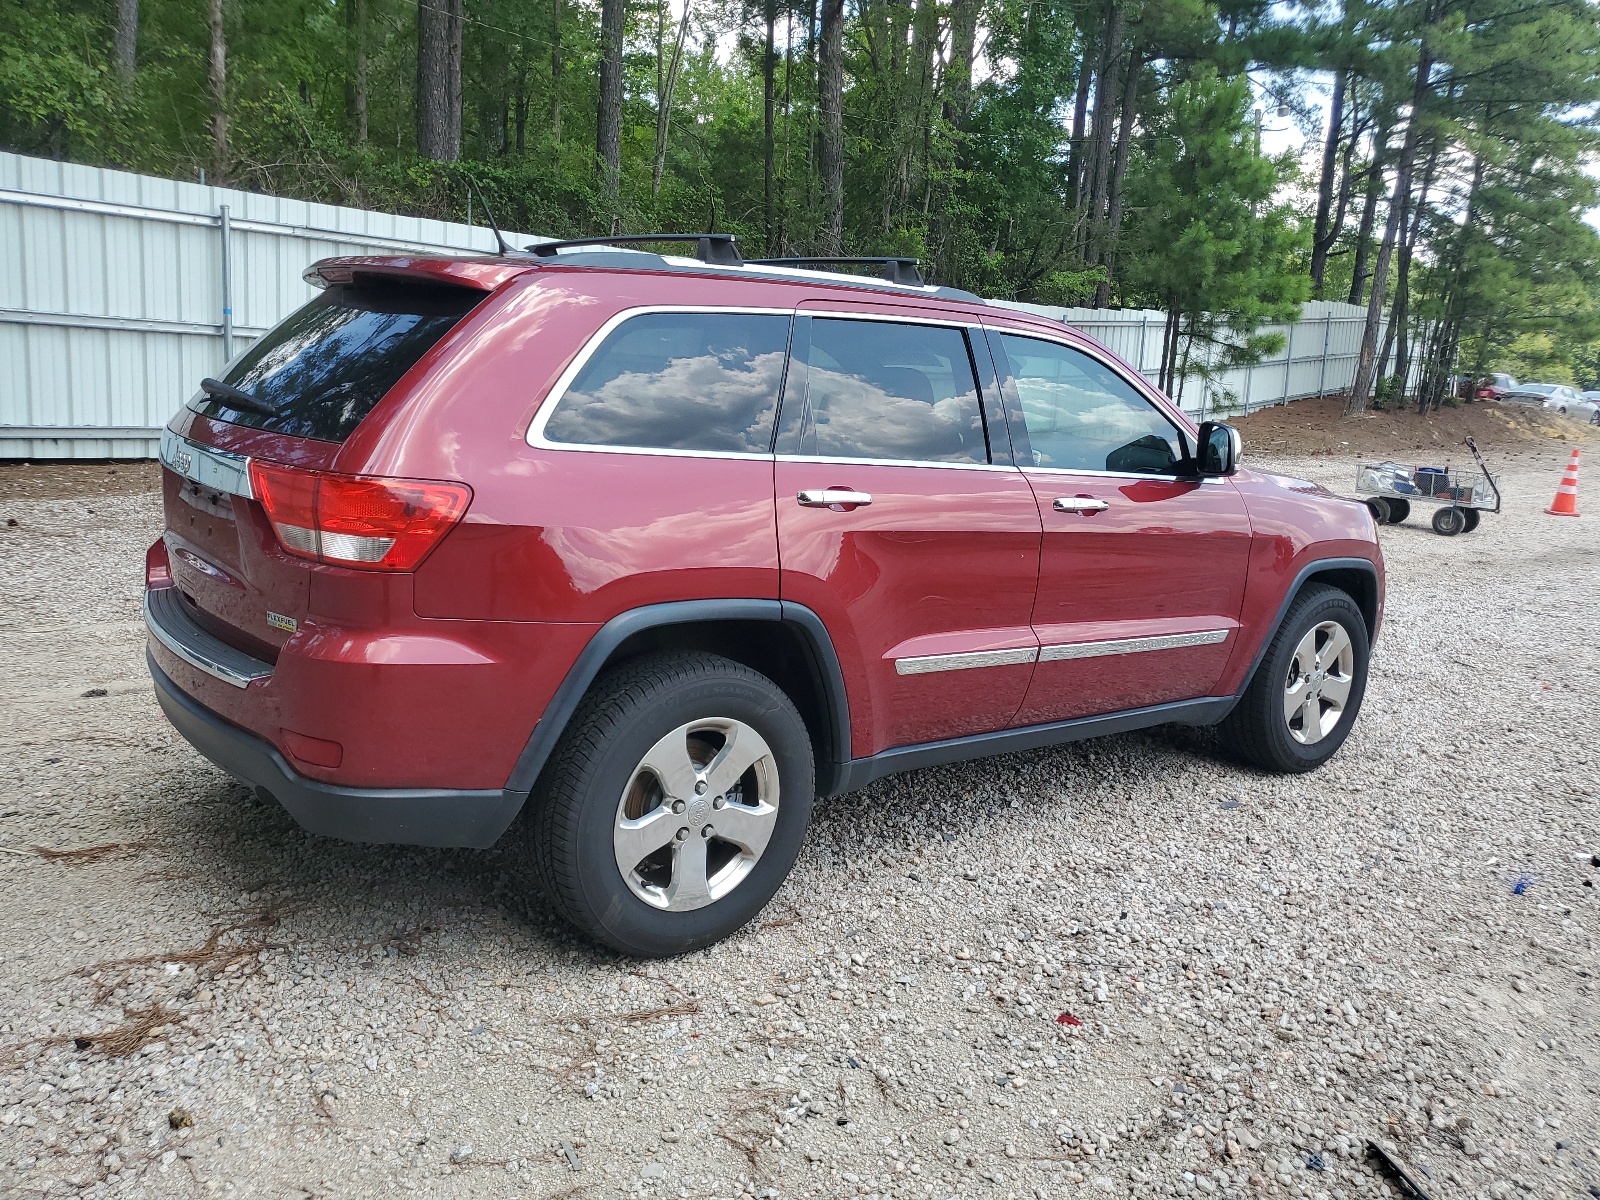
1379	507
1470	516
1307	690
1449	520
675	803
1399	510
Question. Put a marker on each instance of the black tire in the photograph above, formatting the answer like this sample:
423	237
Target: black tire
576	803
1399	510
1379	507
1449	521
1470	515
1257	730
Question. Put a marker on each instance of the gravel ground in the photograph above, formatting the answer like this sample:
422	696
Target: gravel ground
1122	967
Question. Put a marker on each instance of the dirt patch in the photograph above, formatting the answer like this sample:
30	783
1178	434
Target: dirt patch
1319	427
75	480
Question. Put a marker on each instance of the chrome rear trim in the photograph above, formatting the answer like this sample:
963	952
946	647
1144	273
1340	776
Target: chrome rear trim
927	664
219	470
1139	645
175	629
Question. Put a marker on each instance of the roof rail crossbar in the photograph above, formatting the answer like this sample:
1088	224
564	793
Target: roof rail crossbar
721	249
896	270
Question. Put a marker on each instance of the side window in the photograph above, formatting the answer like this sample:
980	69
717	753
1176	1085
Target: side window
679	381
1082	416
876	389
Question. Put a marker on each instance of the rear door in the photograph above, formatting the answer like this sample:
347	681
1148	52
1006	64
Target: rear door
904	525
307	384
1142	573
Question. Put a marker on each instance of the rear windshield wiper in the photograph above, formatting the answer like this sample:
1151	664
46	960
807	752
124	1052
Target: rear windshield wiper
237	397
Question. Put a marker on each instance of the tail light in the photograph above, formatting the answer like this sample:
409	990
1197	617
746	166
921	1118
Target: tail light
357	520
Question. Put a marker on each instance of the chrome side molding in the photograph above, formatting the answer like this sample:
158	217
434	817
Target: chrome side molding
1139	645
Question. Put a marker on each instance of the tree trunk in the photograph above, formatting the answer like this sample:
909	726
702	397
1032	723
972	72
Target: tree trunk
219	92
519	113
127	43
1361	389
958	72
830	102
453	73
555	71
608	127
1326	231
1400	314
1119	174
1105	111
356	96
669	84
1369	211
769	139
434	103
1080	118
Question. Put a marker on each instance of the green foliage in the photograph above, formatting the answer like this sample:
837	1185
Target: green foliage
986	181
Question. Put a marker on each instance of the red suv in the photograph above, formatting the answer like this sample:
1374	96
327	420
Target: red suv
662	548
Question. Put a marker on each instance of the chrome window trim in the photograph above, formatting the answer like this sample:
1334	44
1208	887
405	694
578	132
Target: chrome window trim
842	461
536	438
195	646
1127	475
220	470
928	664
1062	651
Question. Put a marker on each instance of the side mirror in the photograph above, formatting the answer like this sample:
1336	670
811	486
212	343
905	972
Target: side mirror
1220	448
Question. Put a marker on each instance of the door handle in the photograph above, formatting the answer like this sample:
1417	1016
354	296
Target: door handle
831	497
1079	504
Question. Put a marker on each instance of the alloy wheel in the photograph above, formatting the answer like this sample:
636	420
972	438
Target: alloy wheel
1319	680
697	814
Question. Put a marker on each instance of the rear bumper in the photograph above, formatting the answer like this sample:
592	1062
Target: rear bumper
400	816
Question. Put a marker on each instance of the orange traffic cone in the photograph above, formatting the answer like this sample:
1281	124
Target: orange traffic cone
1566	502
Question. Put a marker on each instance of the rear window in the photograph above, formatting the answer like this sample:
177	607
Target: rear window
328	364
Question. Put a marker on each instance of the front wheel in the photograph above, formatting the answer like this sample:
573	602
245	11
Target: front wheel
1307	690
1399	510
1449	521
675	803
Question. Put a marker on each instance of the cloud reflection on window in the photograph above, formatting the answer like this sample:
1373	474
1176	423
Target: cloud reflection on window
679	381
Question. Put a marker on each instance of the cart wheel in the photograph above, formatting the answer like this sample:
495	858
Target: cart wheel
1399	510
1471	515
1380	509
1449	521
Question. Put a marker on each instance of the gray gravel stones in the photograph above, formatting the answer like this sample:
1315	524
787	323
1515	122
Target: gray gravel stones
1120	968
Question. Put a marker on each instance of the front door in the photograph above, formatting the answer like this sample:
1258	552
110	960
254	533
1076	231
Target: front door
1142	573
897	526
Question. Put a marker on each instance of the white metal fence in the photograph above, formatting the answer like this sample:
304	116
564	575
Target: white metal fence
118	292
1318	357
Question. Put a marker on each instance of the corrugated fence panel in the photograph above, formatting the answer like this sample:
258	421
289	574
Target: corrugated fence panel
1317	358
111	304
111	298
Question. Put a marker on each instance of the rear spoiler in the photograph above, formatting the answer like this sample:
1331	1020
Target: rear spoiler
480	274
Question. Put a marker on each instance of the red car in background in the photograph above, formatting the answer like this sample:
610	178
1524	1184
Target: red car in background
661	548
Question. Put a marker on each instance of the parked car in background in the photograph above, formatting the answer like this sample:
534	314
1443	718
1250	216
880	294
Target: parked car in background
664	548
1583	406
1541	394
1494	387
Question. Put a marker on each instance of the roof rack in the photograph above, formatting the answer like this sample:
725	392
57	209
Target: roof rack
720	249
896	270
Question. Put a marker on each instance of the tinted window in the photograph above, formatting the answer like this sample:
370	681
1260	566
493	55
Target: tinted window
1081	415
679	381
875	389
328	364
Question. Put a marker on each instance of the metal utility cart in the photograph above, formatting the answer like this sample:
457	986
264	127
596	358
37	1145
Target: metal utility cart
1390	489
